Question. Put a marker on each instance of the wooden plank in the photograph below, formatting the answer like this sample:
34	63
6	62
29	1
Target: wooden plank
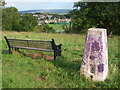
44	47
49	50
37	44
18	41
26	43
28	40
40	46
42	43
32	46
18	44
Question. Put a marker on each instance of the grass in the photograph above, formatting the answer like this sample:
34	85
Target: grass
56	27
21	71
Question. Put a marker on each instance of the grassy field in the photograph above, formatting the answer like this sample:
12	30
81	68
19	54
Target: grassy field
26	71
56	27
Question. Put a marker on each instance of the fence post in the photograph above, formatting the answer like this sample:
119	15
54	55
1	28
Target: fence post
95	59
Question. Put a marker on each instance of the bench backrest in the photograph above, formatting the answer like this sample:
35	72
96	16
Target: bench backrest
31	43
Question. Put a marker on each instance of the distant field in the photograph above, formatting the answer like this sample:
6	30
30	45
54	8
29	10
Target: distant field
56	27
27	71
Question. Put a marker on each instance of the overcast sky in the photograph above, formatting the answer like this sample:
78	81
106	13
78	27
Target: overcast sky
40	4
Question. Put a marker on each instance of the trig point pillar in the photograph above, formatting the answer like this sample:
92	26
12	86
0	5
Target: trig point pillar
95	59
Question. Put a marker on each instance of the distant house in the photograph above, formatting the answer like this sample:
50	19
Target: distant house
35	15
64	20
41	16
49	16
39	23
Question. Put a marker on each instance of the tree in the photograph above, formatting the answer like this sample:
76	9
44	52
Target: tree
10	19
48	29
79	18
28	22
106	16
95	14
68	28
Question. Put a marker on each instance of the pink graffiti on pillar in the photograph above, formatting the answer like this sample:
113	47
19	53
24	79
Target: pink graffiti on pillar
95	60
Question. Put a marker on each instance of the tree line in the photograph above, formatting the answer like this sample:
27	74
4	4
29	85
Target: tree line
13	20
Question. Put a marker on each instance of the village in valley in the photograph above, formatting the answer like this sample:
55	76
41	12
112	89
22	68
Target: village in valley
50	19
54	22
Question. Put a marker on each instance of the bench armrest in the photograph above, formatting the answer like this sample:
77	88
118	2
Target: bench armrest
59	45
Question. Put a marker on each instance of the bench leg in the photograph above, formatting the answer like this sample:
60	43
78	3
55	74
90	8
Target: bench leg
16	49
10	51
12	48
55	55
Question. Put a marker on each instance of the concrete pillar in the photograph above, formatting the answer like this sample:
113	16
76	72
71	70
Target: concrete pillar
95	59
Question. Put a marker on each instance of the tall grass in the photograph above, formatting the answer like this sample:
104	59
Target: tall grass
20	71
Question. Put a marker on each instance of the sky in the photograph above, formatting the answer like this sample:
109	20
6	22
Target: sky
22	5
41	0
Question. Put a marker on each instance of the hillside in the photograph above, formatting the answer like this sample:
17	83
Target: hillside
27	69
53	11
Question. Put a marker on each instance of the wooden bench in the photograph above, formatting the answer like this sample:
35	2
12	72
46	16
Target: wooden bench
48	46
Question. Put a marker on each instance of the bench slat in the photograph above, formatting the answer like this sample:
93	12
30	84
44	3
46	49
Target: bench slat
37	47
44	47
42	44
29	45
50	50
28	40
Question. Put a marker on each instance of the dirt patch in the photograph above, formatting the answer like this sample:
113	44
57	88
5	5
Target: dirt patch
40	78
48	57
40	55
15	52
35	55
26	73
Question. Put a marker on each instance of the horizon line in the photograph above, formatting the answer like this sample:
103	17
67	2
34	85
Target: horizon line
50	8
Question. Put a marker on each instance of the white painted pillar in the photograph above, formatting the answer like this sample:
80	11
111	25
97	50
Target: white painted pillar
95	59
